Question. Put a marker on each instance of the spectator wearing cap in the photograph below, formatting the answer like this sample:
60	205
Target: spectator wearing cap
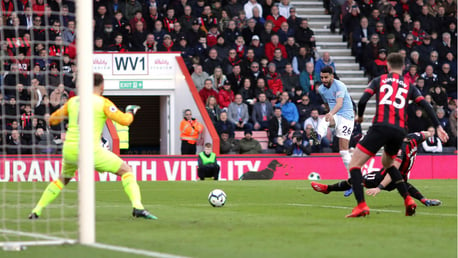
238	114
379	66
195	33
248	8
167	44
392	46
272	45
212	35
186	51
225	95
257	46
249	145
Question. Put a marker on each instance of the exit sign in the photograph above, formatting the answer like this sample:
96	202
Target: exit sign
131	84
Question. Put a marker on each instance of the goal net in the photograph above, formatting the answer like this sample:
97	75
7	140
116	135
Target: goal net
38	74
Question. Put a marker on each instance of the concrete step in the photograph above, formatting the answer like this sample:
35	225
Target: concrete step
309	11
354	80
354	87
319	23
313	17
347	66
330	45
344	74
335	51
328	38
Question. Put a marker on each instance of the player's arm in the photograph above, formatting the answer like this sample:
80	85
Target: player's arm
113	113
386	181
368	92
59	115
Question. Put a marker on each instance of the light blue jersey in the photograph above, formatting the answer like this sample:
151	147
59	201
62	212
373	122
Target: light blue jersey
338	90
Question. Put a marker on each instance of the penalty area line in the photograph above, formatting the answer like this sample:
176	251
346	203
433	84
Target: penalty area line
379	210
134	251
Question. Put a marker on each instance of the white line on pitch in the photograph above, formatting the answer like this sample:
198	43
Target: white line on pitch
134	251
381	210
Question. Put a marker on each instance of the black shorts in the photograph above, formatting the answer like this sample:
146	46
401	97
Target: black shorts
382	136
373	179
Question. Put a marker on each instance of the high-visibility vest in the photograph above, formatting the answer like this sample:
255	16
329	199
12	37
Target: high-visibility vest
207	160
190	130
123	135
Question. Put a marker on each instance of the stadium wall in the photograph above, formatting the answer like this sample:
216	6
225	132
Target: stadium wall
184	168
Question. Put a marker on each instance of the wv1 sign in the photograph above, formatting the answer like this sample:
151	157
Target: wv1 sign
130	64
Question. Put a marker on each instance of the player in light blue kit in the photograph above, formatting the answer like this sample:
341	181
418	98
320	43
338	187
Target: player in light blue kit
341	115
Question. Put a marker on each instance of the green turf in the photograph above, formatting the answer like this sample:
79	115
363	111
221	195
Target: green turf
260	219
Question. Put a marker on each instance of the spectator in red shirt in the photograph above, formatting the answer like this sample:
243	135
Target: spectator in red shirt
207	91
225	95
272	45
276	18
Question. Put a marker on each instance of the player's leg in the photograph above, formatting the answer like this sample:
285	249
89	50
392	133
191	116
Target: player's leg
415	193
389	154
337	187
344	128
69	166
106	160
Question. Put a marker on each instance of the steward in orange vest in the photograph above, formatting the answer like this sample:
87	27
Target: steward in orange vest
190	130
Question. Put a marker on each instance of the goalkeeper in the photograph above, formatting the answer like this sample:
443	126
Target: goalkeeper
104	159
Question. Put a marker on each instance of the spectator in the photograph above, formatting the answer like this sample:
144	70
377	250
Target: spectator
249	145
223	49
297	96
370	52
68	34
415	60
247	94
190	131
298	147
279	61
307	78
430	77
305	35
118	45
15	144
289	111
289	79
227	145
218	78
262	88
224	20
304	109
294	22
248	8
272	45
417	122
238	114
252	29
443	120
257	47
314	121
447	80
187	19
439	96
207	165
199	77
138	37
213	109
310	142
284	8
299	61
446	46
131	8
262	113
273	80
412	75
167	44
292	48
392	46
432	144
325	60
207	91
230	61
379	66
225	95
235	78
233	7
224	125
276	18
211	62
421	86
255	73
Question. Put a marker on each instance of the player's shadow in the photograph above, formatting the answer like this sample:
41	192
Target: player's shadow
265	174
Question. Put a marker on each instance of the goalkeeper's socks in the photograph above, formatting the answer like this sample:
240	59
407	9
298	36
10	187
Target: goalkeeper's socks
340	186
132	190
49	195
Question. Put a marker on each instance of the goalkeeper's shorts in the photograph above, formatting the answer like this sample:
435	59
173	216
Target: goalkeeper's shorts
104	160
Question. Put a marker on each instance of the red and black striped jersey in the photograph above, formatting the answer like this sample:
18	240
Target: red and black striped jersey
393	93
408	152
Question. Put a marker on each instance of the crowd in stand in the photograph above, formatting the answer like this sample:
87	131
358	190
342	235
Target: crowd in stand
255	64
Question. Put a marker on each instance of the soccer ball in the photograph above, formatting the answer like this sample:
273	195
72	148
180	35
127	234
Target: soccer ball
314	176
217	198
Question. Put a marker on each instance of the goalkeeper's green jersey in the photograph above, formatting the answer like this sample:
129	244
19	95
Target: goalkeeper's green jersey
103	108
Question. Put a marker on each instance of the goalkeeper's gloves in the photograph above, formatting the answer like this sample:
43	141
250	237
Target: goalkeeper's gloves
132	109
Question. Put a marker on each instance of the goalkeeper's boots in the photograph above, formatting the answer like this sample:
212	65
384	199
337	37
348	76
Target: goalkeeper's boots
410	206
432	202
143	214
362	210
322	188
348	192
33	216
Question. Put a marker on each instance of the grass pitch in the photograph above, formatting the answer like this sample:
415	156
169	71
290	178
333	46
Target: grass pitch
260	219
